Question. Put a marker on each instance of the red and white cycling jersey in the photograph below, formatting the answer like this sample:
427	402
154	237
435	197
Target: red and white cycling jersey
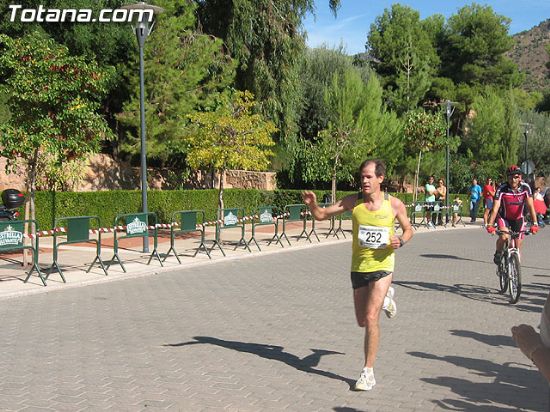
512	201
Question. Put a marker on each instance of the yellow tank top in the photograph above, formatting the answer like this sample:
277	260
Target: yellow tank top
372	230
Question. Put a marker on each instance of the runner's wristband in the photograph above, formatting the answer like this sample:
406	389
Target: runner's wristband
401	242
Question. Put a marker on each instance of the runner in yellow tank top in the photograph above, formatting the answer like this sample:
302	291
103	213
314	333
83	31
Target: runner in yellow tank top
372	231
374	242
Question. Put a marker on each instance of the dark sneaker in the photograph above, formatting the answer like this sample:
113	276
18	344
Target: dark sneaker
496	258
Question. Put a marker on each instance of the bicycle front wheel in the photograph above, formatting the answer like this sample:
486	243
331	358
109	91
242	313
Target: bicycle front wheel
515	278
502	272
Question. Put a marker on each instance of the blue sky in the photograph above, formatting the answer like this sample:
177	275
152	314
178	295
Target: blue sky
354	18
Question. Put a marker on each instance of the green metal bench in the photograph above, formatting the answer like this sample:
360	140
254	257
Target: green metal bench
77	230
435	213
12	235
136	225
232	218
458	209
188	221
418	208
265	216
295	213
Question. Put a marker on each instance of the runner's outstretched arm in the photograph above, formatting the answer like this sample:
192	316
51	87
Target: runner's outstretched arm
323	213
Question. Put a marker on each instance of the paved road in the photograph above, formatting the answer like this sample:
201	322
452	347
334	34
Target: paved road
277	332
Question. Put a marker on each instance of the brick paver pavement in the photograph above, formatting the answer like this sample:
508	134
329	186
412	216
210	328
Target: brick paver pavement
277	332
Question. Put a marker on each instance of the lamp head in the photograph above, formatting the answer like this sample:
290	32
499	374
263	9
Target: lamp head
142	18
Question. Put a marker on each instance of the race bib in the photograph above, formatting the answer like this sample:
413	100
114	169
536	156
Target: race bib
373	237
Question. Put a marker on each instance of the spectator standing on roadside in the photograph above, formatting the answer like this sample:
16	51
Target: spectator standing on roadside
440	196
475	197
540	206
489	191
429	199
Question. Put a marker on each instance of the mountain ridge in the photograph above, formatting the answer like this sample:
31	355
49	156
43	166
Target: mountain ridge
531	57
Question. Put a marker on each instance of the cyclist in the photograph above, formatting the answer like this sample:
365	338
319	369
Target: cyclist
510	199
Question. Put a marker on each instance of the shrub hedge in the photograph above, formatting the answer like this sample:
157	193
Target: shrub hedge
108	204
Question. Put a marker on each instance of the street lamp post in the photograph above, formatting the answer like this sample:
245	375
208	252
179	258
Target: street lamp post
143	25
525	133
449	112
526	165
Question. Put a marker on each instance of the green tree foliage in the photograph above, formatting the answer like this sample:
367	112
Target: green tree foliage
538	142
53	100
316	73
109	44
345	133
543	105
231	137
424	132
358	127
493	131
473	48
404	47
264	36
185	71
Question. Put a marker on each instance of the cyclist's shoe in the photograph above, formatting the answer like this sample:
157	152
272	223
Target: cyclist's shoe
496	258
534	229
365	382
491	230
389	306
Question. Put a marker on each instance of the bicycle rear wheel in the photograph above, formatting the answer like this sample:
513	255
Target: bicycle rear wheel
515	278
502	272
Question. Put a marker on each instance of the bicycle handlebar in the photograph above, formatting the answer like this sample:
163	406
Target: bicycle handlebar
513	234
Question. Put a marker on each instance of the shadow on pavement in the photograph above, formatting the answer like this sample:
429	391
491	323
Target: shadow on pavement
491	340
488	261
277	353
530	300
513	387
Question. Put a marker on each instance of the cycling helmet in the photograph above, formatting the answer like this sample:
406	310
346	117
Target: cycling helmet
513	170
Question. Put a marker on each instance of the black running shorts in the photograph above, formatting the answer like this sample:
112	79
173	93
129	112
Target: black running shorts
361	279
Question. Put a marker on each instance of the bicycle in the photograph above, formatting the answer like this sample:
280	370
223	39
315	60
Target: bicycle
509	267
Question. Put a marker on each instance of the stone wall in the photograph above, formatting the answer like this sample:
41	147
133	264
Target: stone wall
106	173
250	180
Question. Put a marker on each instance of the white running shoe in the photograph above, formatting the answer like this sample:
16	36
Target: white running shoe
365	382
390	307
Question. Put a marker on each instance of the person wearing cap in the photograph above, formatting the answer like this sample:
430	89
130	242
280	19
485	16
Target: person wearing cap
508	207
